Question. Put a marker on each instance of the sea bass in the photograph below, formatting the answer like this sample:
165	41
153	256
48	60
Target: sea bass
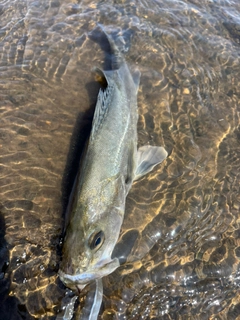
111	163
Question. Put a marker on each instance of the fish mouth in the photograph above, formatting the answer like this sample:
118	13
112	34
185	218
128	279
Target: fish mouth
80	280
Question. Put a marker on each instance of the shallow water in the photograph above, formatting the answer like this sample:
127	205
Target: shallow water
180	240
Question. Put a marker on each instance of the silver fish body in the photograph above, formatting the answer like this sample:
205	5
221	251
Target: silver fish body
111	164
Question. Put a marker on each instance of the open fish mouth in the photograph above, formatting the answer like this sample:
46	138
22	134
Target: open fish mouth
82	279
77	279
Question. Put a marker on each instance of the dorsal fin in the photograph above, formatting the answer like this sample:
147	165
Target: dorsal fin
103	100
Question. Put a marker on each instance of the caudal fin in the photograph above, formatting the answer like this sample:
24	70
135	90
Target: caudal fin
108	45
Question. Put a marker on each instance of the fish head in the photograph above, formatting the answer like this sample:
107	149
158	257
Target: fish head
89	242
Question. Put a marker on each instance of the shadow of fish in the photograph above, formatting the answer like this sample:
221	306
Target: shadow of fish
110	165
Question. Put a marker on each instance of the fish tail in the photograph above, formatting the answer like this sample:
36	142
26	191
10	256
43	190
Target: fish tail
117	58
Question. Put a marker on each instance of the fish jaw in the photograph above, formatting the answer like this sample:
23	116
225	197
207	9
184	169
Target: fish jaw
80	280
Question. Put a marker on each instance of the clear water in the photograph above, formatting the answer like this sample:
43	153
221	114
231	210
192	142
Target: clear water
180	240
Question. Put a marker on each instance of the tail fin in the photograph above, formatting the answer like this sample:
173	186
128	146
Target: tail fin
100	36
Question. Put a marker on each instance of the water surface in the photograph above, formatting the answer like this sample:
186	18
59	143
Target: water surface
180	240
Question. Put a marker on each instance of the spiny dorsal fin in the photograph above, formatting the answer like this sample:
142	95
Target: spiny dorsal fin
103	100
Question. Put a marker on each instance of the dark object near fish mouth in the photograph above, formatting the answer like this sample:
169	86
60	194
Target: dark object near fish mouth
78	290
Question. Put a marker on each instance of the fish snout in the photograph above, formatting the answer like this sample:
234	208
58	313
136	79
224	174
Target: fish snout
67	267
73	267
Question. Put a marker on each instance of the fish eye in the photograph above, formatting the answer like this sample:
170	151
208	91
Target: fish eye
96	240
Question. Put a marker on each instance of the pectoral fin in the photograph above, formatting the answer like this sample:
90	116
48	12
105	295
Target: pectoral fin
147	158
136	78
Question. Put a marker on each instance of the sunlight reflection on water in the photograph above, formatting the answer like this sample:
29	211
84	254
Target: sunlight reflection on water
179	244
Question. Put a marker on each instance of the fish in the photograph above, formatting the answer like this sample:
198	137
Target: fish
111	163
